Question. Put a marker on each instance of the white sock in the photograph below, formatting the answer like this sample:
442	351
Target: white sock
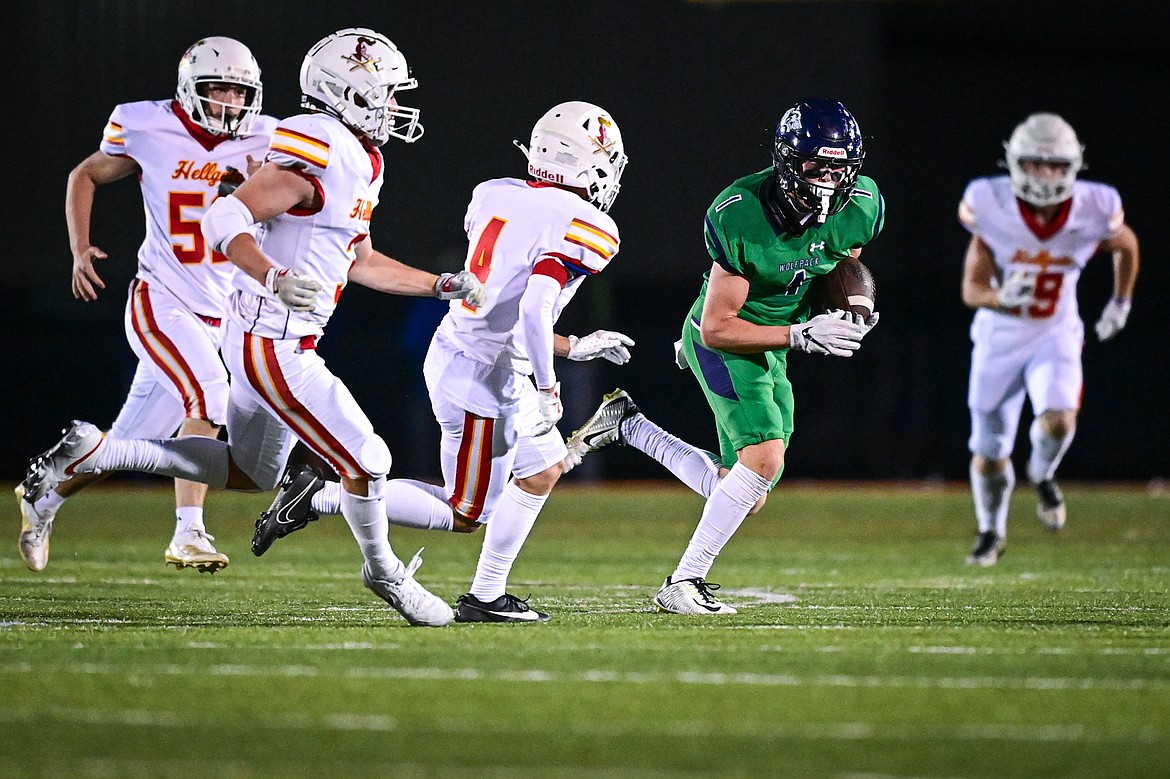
512	518
188	518
50	503
725	511
1047	451
694	467
409	503
193	457
328	499
366	517
992	496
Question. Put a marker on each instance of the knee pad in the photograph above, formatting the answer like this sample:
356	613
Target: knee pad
991	438
375	457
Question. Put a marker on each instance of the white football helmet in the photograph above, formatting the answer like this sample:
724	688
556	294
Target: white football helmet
578	144
1044	138
220	60
353	75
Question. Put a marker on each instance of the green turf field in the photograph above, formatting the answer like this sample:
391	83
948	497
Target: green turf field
864	646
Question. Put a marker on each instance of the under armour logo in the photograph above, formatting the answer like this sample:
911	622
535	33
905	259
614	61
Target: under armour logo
818	246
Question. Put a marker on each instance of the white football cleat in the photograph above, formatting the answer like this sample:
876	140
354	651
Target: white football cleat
74	453
409	598
601	429
193	549
35	529
690	596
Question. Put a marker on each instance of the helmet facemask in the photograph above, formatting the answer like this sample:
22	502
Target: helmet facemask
354	75
1043	138
213	61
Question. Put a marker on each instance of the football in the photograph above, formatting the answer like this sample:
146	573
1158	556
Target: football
850	286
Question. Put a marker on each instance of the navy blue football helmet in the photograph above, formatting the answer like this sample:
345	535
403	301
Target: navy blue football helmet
817	155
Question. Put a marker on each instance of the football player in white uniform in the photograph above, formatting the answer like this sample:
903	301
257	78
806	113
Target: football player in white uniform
489	369
314	198
181	150
1032	231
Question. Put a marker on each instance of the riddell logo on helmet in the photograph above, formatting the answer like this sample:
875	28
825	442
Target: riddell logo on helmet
545	175
831	152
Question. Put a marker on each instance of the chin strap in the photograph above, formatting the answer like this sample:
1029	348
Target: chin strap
823	214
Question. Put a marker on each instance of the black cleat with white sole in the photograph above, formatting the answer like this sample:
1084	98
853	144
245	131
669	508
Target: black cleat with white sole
291	510
506	608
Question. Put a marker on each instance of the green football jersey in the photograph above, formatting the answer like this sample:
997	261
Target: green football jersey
743	240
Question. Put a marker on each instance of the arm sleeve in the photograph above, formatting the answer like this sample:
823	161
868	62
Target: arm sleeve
536	322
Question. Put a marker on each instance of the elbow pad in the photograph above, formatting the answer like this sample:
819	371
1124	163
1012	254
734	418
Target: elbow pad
226	218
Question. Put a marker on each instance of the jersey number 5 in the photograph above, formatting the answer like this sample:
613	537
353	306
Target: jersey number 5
192	250
480	262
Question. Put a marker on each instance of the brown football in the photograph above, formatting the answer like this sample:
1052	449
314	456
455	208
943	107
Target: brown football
850	286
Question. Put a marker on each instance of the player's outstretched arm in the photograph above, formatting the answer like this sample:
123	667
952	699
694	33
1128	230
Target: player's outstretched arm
383	273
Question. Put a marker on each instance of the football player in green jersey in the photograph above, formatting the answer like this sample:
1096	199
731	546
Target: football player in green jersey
769	234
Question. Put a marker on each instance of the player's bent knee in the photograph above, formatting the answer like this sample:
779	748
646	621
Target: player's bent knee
542	483
375	457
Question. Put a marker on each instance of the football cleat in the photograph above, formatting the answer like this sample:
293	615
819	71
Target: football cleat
601	429
987	551
506	608
409	598
35	529
690	596
74	453
1050	504
192	549
292	508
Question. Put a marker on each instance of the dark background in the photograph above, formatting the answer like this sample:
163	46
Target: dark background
696	89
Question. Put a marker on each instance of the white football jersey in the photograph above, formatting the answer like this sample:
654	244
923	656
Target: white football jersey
512	225
181	168
1056	252
319	244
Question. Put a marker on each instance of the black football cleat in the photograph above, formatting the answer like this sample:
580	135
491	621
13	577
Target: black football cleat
987	551
1050	508
291	510
506	608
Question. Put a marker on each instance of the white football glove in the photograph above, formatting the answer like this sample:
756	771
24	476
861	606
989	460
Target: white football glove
1018	290
1113	318
680	357
601	343
549	403
464	284
867	324
293	288
837	333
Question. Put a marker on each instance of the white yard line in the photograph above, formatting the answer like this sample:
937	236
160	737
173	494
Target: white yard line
536	675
